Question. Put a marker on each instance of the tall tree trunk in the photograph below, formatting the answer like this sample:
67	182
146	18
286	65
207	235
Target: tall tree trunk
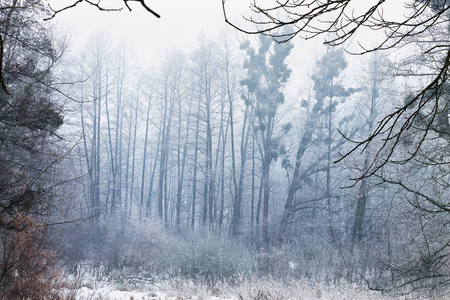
144	159
266	193
267	160
119	132
194	187
213	203
133	160
119	162
297	176
258	213
235	219
148	212
96	152
328	172
363	188
183	163
360	209
87	154
163	200
162	167
237	203
166	163
222	176
127	168
110	151
252	216
209	182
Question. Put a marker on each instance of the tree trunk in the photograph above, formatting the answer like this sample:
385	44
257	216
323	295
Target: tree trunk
183	163
133	160
296	178
144	159
194	187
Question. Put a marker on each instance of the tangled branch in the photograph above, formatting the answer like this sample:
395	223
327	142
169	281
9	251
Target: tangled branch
338	22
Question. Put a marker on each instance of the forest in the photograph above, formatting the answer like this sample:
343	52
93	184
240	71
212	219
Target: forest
215	167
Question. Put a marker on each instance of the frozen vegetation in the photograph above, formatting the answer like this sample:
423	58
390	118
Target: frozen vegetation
219	172
252	290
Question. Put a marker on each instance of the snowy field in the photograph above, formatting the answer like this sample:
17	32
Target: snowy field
261	290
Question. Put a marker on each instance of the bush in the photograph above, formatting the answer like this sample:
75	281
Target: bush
133	249
27	270
213	259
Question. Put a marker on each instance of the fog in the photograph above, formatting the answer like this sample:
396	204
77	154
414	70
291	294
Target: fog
189	157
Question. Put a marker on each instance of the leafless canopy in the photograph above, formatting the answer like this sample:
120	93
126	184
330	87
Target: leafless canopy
340	20
27	4
425	24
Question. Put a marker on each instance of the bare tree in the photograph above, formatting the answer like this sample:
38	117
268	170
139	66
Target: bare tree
205	70
424	25
45	8
374	91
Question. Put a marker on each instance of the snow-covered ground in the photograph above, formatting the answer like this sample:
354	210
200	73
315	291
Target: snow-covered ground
258	290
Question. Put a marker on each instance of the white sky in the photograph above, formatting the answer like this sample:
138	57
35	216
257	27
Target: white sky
181	23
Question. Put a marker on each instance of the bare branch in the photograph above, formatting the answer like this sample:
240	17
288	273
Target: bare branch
97	5
286	19
144	6
393	126
72	221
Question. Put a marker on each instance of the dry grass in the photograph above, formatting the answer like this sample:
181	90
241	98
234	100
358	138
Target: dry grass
260	289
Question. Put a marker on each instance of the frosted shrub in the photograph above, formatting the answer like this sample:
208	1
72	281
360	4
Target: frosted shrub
315	262
213	259
132	251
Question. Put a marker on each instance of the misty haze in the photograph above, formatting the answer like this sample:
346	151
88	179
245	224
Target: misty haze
224	150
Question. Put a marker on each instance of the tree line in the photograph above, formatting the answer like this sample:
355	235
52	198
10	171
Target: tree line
206	142
148	170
